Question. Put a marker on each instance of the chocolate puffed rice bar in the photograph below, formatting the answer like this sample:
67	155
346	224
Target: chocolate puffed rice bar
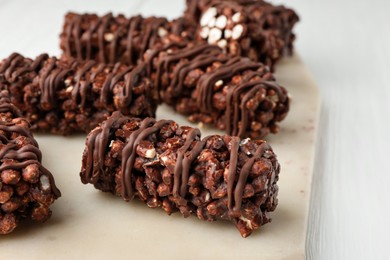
64	96
168	166
250	28
111	39
198	80
234	94
27	189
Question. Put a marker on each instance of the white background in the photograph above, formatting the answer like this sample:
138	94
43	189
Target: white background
346	45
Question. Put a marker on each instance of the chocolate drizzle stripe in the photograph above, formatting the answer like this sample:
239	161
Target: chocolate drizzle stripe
76	33
128	84
149	35
5	149
187	161
164	63
245	170
152	54
208	80
183	69
244	112
98	70
7	63
94	28
112	47
233	104
87	175
107	85
101	142
45	95
131	79
7	107
28	152
147	127
127	152
15	61
232	170
101	31
19	72
96	143
178	170
3	139
68	30
38	62
18	129
78	77
133	24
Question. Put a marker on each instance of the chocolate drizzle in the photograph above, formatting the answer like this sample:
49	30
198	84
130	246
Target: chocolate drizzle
78	81
49	82
235	194
52	78
80	88
189	158
188	75
97	142
232	170
201	55
206	83
236	112
174	62
266	33
180	166
97	147
146	128
6	106
109	39
11	127
134	24
10	149
243	176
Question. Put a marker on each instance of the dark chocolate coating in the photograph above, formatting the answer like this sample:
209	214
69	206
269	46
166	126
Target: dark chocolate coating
66	96
235	94
266	30
186	75
111	39
27	189
218	177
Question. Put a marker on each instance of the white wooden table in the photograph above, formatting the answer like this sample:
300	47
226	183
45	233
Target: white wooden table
346	45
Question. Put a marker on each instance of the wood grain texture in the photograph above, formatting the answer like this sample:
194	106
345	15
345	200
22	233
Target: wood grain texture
346	46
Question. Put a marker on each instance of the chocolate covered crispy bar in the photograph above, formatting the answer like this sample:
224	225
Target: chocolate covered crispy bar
235	94
201	81
64	96
171	166
111	39
27	189
250	28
